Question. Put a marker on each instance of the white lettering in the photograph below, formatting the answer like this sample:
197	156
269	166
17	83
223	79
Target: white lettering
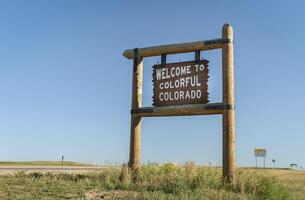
177	71
183	70
197	81
161	96
182	81
198	94
196	66
176	95
166	85
187	95
173	71
187	80
188	69
166	96
193	94
177	84
201	67
161	86
158	74
181	95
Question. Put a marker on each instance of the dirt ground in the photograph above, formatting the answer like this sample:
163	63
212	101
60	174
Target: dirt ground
54	169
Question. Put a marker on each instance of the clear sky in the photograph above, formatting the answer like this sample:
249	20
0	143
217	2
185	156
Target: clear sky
66	88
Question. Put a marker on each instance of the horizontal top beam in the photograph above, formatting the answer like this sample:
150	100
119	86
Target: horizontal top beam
178	48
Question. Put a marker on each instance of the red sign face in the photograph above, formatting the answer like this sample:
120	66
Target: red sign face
180	83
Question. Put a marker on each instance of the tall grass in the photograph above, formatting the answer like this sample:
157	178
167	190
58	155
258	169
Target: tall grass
166	181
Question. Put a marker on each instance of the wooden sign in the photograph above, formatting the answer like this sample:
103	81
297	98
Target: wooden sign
184	83
180	83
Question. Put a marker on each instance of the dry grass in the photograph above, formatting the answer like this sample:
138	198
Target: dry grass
294	181
153	182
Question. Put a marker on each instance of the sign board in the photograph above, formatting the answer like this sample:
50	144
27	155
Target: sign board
180	83
260	152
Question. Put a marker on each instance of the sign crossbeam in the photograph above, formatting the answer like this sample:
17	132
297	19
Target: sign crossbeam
178	48
182	110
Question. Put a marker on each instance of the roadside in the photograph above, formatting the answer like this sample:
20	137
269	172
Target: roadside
47	166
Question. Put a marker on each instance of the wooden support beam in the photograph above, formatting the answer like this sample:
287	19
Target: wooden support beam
163	59
136	102
228	119
197	55
178	48
182	110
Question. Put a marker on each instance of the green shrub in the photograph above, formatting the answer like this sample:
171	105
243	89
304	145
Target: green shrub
270	189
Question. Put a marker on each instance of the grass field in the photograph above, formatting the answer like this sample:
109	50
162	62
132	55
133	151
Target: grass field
156	182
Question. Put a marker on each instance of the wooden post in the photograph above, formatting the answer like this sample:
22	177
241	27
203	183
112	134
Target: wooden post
136	102
228	119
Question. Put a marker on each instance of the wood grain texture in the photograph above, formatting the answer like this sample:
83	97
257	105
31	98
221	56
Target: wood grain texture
228	117
178	48
136	102
182	110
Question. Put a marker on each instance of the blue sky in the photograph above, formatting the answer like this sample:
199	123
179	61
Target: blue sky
66	88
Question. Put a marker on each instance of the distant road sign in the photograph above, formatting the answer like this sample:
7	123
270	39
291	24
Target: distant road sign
180	83
260	152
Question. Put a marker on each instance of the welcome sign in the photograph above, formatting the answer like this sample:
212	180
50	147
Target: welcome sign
180	83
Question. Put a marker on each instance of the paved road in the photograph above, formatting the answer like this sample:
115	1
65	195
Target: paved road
56	169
